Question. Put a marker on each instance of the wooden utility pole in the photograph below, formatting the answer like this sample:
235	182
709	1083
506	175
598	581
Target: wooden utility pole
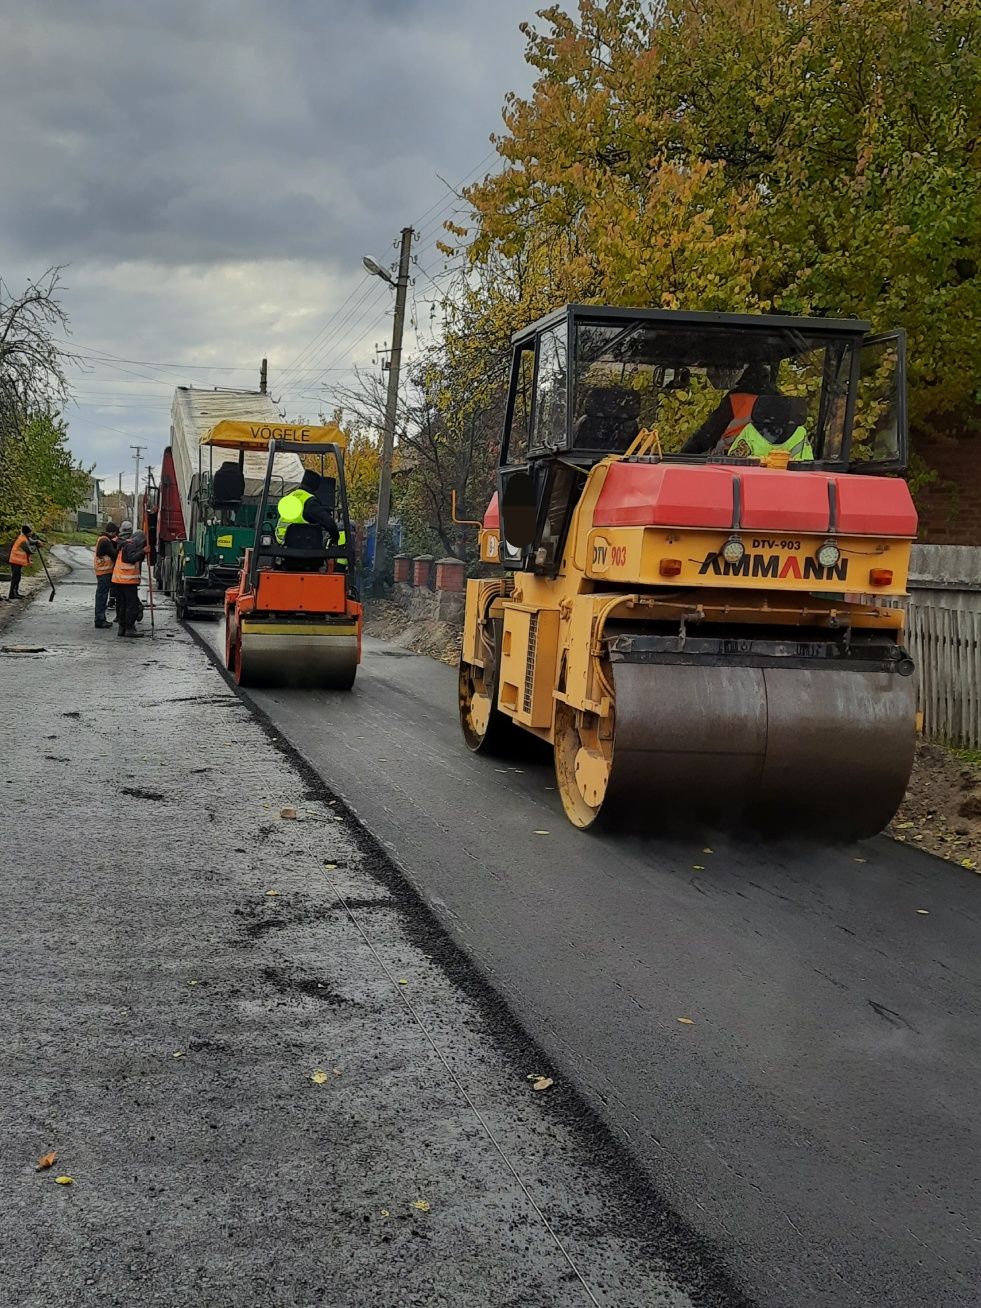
263	376
391	412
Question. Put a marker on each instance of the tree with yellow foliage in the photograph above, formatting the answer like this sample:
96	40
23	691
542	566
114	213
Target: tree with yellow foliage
793	156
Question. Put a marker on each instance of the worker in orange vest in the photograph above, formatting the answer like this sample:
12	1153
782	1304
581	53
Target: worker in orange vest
20	558
735	411
126	583
104	562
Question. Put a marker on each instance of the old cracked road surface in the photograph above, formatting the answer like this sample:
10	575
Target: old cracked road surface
817	1117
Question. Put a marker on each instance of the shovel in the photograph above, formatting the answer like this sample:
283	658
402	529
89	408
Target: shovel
47	574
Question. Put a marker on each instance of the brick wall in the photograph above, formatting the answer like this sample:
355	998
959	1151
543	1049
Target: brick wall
950	509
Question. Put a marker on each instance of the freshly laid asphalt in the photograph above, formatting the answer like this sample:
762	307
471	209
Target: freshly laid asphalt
786	1038
270	1076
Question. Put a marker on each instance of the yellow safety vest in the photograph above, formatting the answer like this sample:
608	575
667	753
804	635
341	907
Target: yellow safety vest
290	510
751	444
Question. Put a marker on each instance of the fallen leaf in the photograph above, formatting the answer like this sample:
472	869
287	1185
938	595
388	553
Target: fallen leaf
904	826
541	833
46	1161
271	893
330	866
708	851
179	1053
319	1077
422	1205
924	911
969	864
287	812
403	981
686	1021
543	1083
697	867
194	983
861	860
384	1212
64	1180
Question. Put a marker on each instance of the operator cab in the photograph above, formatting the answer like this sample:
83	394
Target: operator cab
663	386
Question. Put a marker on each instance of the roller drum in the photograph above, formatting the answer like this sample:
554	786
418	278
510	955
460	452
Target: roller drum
793	750
313	661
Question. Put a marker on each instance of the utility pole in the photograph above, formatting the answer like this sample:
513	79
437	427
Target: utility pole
391	402
263	376
137	451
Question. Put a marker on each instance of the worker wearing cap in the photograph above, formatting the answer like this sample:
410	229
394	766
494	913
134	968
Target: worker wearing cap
126	581
105	557
302	505
24	546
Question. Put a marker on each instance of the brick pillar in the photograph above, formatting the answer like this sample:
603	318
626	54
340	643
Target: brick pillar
422	566
403	567
449	574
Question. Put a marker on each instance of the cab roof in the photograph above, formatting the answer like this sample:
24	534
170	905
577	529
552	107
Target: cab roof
766	321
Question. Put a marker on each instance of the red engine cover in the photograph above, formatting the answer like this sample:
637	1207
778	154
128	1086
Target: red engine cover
755	499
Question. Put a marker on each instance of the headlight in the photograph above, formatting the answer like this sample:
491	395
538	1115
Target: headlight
733	550
828	554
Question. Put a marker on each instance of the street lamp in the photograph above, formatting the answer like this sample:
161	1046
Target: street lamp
376	270
391	400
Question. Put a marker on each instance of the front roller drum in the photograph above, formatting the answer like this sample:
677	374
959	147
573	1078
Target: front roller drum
318	660
791	751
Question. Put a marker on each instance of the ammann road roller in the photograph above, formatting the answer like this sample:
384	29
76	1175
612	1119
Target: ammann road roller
701	538
293	618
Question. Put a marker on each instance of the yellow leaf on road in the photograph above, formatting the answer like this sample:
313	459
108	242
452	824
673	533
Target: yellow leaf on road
708	851
697	867
46	1161
384	1212
969	864
64	1180
179	1053
686	1021
924	911
271	893
541	833
403	981
319	1077
422	1205
543	1083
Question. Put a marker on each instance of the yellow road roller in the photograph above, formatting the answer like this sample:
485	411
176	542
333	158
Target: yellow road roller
700	540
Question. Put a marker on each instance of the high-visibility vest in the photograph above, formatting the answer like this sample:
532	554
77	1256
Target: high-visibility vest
742	410
123	573
19	553
290	510
102	562
742	440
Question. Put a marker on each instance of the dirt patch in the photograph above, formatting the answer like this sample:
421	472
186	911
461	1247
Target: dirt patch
308	986
942	808
440	640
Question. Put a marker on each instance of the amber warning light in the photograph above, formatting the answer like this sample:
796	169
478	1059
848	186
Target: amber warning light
670	567
881	576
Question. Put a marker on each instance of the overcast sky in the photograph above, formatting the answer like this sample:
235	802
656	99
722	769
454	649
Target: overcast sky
211	172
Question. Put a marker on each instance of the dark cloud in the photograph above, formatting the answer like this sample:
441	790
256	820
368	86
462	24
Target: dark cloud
211	172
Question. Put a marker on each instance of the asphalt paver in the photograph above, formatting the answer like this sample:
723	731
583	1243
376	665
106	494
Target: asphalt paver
786	1037
269	1074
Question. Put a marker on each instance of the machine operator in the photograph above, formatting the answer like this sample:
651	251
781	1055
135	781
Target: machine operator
304	505
755	403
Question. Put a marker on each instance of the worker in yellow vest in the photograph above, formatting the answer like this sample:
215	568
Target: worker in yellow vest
22	550
126	583
304	506
106	548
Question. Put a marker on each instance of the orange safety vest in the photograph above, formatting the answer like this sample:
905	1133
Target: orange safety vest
742	413
123	573
18	552
103	564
